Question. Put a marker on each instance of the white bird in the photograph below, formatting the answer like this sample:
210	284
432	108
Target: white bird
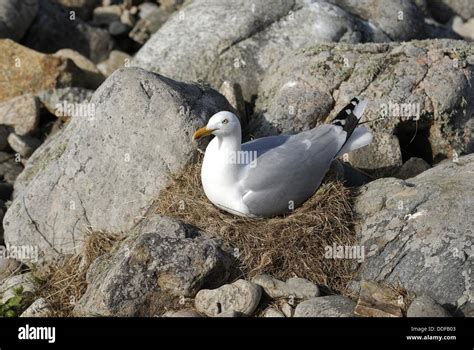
273	175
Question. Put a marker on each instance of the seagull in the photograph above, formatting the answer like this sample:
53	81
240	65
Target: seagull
274	175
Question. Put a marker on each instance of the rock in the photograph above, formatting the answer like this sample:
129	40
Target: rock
295	287
378	301
443	10
8	285
128	19
146	8
89	68
424	79
468	310
24	145
118	28
464	29
10	167
68	102
398	20
230	314
148	24
83	8
33	71
105	15
417	233
412	167
149	270
172	5
140	135
424	306
8	267
241	296
16	17
255	37
233	94
327	306
53	29
39	308
182	313
272	312
287	310
116	60
22	113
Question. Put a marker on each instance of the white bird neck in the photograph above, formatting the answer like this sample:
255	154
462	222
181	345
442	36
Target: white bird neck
230	143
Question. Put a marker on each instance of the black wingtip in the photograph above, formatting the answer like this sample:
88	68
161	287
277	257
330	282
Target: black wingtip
346	117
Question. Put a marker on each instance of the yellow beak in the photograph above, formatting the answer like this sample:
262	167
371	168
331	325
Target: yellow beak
204	131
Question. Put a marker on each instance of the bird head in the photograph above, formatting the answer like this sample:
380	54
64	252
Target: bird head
220	124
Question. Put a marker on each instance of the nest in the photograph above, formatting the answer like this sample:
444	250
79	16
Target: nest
286	246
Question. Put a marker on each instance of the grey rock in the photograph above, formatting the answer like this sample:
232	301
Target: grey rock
272	312
424	306
105	172
241	296
152	268
418	233
21	113
9	284
146	8
39	308
117	59
398	20
464	29
287	310
53	30
118	28
24	145
182	313
295	287
89	69
468	310
328	306
148	24
67	102
310	86
16	17
8	267
412	167
255	36
105	15
10	168
83	8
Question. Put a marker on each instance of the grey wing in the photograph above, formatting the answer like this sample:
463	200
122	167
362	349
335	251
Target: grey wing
290	172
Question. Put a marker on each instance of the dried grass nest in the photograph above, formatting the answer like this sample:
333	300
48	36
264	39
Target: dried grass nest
286	246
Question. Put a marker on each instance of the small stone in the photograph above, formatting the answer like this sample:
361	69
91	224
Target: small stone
8	266
272	312
182	313
468	310
241	296
24	145
128	19
287	310
148	25
378	301
411	168
464	29
327	306
295	287
116	60
39	308
146	8
10	168
22	113
104	15
88	67
118	28
424	306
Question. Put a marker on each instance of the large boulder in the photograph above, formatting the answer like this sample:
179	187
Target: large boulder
248	39
150	270
105	168
419	233
15	17
55	28
28	71
421	89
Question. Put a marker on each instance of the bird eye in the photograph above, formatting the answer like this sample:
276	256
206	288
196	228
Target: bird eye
225	121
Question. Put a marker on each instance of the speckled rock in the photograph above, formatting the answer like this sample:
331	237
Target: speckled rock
418	233
424	306
328	306
295	287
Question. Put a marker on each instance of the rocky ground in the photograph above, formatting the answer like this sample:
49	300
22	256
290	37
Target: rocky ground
93	142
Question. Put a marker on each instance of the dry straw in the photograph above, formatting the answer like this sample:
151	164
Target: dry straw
293	245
